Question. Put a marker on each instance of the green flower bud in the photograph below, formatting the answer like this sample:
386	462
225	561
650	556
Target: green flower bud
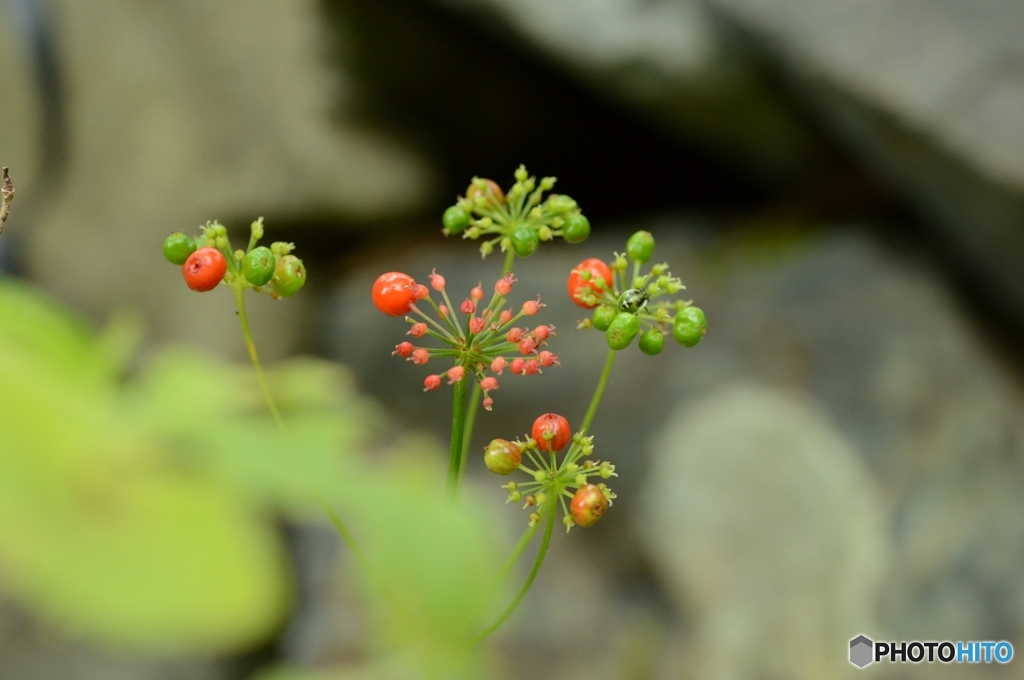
455	219
177	248
640	246
521	174
576	228
652	342
525	241
623	328
256	229
545	233
689	326
603	317
289	276
259	266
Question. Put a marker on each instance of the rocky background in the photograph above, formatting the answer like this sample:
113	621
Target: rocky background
840	184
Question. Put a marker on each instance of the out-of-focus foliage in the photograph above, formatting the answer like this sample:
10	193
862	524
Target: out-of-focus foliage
139	512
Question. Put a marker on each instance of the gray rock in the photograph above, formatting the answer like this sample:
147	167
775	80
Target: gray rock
928	96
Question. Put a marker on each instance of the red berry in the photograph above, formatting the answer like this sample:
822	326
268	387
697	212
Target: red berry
504	285
436	281
403	349
531	367
527	346
557	426
455	374
431	382
468	306
531	307
489	383
548	359
588	505
204	269
477	294
541	332
505	316
419	356
517	366
498	365
393	293
578	286
476	324
515	334
418	330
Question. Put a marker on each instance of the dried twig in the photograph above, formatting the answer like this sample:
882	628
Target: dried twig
6	198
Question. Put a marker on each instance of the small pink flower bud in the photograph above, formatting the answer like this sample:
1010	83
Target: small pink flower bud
442	310
436	281
488	403
489	383
431	382
505	316
531	367
468	306
420	291
419	356
403	349
531	307
548	359
455	374
515	334
476	324
504	285
418	330
518	366
527	346
498	365
477	294
541	332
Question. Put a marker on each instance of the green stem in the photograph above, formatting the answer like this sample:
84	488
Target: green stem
599	392
240	304
517	553
541	554
458	433
467	435
510	257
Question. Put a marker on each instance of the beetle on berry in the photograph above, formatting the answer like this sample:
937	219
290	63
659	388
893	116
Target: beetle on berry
633	300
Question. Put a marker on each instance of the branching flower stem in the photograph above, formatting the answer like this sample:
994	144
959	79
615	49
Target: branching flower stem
599	392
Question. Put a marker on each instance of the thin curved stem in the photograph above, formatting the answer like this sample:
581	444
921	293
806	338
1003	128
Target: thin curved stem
517	553
467	436
244	320
541	554
510	257
599	392
458	434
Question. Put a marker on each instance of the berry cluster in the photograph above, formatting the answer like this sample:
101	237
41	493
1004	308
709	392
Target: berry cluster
519	220
622	311
209	260
551	479
487	340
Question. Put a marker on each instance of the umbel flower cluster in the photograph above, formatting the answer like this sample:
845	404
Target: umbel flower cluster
481	339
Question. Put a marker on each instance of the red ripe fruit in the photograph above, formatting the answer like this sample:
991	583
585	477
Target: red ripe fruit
588	505
403	349
577	285
515	334
504	285
541	332
527	346
517	366
394	293
468	306
557	426
431	382
476	324
531	367
204	269
531	307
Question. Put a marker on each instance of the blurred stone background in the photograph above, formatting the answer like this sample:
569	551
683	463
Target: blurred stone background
840	184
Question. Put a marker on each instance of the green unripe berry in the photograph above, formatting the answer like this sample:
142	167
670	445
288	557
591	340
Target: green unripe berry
502	457
603	317
455	219
640	246
652	341
525	241
289	276
177	248
623	328
576	228
689	326
259	265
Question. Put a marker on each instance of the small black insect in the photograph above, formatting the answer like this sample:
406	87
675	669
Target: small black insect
633	300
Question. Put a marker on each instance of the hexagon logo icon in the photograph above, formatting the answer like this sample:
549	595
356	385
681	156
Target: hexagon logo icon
861	648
